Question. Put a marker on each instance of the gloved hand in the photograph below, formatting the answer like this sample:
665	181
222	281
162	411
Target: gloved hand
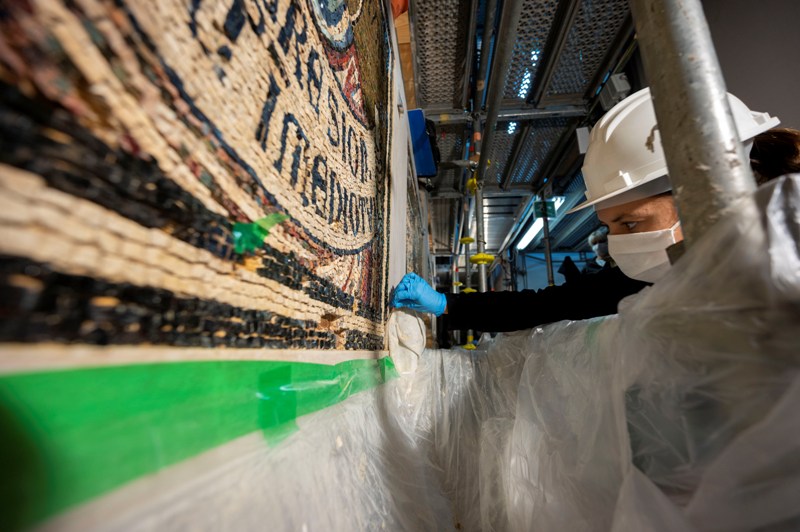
414	293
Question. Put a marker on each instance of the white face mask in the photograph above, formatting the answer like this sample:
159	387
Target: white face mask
643	256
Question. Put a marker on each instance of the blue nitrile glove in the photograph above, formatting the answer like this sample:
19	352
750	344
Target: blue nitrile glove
414	293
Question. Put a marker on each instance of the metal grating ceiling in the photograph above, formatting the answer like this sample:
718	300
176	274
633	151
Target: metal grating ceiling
596	25
501	151
439	51
542	137
566	43
532	31
449	180
450	141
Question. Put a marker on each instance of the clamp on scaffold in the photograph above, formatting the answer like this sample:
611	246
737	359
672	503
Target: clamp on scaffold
472	185
469	346
481	258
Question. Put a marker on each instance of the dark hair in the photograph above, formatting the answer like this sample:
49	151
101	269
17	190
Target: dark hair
775	152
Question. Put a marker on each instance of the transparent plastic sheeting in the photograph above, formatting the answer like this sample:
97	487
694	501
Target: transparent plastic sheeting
678	414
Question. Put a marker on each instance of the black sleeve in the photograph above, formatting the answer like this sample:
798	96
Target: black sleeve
587	297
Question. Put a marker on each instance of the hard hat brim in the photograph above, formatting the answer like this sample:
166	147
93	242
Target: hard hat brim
652	187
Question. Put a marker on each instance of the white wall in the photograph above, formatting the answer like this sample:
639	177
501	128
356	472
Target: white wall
758	45
400	139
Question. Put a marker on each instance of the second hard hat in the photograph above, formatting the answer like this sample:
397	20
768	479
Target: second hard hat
625	161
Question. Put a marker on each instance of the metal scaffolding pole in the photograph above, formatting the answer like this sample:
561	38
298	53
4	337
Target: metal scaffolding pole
707	165
548	252
486	40
458	217
454	288
504	47
473	20
470	210
467	267
454	275
481	238
458	116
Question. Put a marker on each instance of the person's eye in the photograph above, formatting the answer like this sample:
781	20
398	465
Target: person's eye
630	225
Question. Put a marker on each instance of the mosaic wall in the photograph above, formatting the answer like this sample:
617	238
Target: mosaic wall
194	173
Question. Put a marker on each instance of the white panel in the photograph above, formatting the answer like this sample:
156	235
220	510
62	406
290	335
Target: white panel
399	146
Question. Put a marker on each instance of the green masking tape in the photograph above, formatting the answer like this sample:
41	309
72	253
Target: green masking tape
250	236
68	436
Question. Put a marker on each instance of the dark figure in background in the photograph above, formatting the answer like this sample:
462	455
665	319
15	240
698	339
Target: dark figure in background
569	270
599	242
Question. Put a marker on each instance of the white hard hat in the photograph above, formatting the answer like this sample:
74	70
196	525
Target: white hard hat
625	161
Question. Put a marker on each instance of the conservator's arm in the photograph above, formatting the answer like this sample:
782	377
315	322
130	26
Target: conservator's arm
590	296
